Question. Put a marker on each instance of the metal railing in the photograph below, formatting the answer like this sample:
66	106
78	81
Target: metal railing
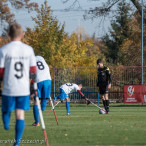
88	76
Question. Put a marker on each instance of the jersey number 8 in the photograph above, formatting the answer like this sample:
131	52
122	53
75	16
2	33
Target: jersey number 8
69	84
40	65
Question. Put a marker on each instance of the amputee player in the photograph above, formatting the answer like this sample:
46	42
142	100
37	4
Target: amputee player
17	64
65	90
104	80
43	80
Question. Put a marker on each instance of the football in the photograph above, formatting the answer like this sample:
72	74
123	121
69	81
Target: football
102	111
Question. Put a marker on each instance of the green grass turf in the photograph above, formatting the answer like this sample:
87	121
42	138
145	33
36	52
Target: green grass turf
125	125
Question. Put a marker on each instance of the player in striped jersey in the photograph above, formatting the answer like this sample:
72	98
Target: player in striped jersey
65	90
17	64
43	79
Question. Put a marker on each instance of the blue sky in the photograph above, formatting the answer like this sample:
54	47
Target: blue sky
72	19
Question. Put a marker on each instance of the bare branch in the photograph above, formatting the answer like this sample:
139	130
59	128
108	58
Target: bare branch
137	5
6	15
64	1
105	8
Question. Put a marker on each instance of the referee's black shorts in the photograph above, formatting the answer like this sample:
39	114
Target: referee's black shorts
103	89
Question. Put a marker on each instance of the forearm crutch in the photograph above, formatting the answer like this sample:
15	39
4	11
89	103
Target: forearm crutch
54	106
54	110
42	121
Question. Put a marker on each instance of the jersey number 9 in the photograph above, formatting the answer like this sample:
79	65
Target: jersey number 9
19	69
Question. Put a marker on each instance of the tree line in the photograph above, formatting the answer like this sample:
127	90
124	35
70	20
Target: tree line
120	46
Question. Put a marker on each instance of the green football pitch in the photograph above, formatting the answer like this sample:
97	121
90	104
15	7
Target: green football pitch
125	125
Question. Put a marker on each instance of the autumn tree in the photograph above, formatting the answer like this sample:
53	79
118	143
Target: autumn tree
6	14
120	30
49	40
131	47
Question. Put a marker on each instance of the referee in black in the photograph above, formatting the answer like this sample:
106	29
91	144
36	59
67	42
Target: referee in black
104	80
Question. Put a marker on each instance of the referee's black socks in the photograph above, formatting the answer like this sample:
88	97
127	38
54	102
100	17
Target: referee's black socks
107	105
104	103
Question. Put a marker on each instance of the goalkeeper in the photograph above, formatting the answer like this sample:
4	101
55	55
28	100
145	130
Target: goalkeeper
65	90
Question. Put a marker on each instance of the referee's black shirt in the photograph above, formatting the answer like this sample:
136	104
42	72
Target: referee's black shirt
103	76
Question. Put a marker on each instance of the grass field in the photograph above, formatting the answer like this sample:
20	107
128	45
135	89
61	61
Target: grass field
125	125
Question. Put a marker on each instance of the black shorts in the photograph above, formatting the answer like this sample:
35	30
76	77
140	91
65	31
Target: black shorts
103	89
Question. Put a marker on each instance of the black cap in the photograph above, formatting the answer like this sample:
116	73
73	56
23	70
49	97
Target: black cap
99	61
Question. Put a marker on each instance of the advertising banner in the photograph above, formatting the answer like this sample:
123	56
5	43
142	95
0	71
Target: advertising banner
134	93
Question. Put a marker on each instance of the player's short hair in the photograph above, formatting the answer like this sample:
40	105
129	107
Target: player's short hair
99	61
15	30
79	84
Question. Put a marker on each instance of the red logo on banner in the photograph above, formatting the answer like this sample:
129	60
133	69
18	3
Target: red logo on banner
134	93
130	90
